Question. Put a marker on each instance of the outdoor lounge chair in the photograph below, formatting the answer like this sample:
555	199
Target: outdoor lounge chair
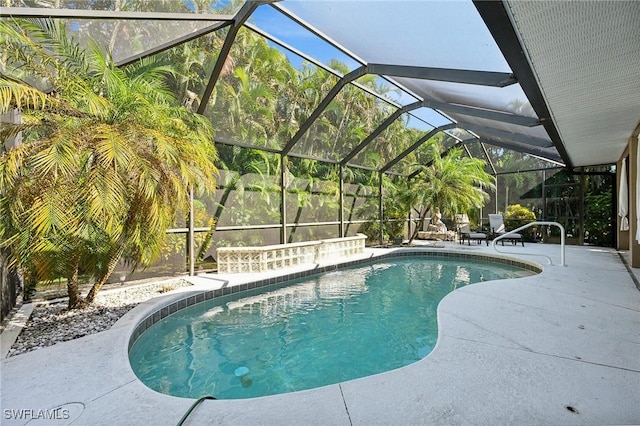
468	235
497	228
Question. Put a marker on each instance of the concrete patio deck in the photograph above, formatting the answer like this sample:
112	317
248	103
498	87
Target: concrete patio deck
562	347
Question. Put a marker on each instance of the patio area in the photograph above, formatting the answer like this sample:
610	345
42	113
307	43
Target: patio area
557	348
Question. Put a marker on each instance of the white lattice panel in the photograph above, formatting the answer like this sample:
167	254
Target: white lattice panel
260	259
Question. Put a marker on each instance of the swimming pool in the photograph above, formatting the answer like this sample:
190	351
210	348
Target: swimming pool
305	333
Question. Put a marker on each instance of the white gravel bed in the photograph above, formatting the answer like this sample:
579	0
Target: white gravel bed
51	323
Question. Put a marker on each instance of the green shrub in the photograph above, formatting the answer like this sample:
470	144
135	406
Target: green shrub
598	218
517	216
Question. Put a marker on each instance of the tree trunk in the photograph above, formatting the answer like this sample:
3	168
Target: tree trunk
297	219
419	226
225	196
75	300
353	205
113	262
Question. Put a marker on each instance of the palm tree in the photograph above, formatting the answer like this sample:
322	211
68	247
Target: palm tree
106	161
451	182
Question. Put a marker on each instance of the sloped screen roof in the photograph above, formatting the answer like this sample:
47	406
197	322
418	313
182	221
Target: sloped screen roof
364	84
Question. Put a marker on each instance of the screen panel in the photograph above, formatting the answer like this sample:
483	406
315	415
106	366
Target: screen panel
248	191
260	98
173	261
313	194
246	238
422	155
121	39
407	32
313	233
393	141
476	151
127	38
507	160
350	117
509	99
386	89
430	116
173	6
282	28
194	61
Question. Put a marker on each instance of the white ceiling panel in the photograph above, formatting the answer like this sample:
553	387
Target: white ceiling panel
586	58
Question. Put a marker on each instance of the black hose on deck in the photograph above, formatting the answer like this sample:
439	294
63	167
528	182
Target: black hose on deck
193	406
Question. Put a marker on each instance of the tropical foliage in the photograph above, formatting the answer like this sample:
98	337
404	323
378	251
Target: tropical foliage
264	95
395	214
107	157
451	183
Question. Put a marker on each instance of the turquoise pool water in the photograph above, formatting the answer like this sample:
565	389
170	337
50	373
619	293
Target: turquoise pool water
308	333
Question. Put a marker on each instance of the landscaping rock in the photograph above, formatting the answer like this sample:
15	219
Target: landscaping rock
51	323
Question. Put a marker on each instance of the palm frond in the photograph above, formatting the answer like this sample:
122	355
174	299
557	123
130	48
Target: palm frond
106	156
16	94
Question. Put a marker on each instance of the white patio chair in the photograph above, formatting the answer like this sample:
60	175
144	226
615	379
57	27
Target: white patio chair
496	221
